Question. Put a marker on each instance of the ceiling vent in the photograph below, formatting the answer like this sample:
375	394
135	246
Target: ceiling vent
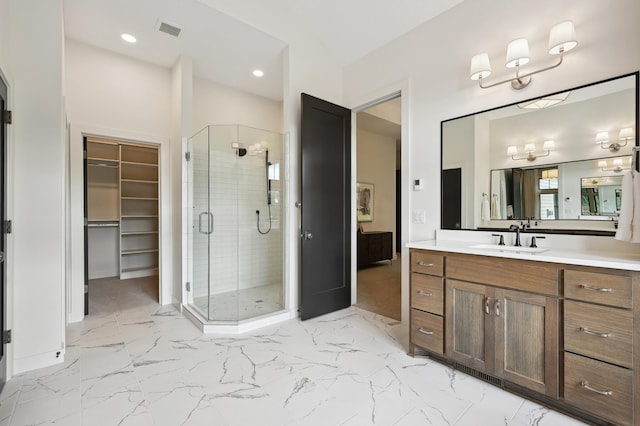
168	28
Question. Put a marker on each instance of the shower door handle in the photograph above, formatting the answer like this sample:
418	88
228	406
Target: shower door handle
209	223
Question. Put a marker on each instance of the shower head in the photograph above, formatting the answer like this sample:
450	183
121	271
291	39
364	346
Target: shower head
240	150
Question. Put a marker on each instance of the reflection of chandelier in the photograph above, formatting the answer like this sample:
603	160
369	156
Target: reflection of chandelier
546	102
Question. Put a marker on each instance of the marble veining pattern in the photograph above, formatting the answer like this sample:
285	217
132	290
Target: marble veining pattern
133	362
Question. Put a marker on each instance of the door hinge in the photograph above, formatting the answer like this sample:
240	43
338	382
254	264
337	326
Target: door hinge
188	286
7	117
6	337
187	156
7	227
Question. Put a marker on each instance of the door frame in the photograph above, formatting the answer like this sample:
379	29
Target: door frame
400	88
75	233
8	277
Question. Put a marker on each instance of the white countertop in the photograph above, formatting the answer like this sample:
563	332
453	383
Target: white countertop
574	256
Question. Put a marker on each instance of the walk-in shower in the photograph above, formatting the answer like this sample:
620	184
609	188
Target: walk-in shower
236	193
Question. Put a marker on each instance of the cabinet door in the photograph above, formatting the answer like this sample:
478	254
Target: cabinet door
469	325
527	340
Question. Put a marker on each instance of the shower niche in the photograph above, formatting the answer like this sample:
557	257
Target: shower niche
235	228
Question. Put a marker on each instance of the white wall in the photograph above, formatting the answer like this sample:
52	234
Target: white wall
377	165
442	89
435	59
214	103
115	96
37	136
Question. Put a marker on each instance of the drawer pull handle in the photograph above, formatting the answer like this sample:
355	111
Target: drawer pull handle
427	332
497	307
603	290
586	385
424	293
428	265
594	333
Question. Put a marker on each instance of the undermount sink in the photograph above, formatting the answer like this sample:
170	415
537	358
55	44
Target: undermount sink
512	249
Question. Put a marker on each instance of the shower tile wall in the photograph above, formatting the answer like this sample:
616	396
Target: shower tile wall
240	256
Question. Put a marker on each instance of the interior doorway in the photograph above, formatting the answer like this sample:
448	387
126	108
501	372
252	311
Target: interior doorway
122	216
378	281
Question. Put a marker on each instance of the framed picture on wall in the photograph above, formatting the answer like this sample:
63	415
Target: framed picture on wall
365	201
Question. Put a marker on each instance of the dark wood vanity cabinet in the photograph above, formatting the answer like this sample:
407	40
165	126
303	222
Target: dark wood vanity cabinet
599	346
509	334
374	246
563	334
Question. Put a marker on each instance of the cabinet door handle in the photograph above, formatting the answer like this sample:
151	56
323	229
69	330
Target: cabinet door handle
487	302
497	307
586	385
423	331
595	333
424	293
601	289
428	265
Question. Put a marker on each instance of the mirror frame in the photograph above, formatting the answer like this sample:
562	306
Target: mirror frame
554	230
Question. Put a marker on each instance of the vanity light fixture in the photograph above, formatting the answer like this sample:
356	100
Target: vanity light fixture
617	165
623	138
530	151
562	38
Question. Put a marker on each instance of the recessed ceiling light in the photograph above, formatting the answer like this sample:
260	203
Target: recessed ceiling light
128	38
258	73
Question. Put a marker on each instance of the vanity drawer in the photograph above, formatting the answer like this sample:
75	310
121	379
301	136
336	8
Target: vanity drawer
532	276
606	289
427	263
598	388
599	331
427	293
427	331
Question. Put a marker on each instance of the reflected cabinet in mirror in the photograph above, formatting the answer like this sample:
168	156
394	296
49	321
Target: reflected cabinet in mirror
556	161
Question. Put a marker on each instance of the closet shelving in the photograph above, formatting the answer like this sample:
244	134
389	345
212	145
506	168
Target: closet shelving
103	207
139	250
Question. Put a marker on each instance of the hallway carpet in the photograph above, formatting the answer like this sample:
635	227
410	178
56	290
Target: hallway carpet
379	288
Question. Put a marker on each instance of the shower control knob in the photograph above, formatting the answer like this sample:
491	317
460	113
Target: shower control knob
307	235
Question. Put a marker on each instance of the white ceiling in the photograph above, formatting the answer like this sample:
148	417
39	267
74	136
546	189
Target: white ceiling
227	39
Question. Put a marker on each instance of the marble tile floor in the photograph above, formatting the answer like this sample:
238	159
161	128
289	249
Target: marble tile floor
242	304
133	362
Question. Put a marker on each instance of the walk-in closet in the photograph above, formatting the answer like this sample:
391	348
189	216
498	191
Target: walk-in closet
122	215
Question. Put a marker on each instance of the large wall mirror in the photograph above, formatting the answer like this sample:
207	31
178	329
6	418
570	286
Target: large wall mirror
556	161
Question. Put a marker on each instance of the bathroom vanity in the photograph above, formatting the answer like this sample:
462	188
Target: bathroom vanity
554	325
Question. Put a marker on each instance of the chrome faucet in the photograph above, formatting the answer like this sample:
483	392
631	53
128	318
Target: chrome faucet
517	229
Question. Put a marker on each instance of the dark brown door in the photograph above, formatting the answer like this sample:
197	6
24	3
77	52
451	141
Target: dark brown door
3	236
452	199
326	201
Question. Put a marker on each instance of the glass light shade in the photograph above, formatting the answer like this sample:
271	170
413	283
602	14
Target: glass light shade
512	150
529	148
480	66
602	163
602	137
517	53
562	37
626	133
548	145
